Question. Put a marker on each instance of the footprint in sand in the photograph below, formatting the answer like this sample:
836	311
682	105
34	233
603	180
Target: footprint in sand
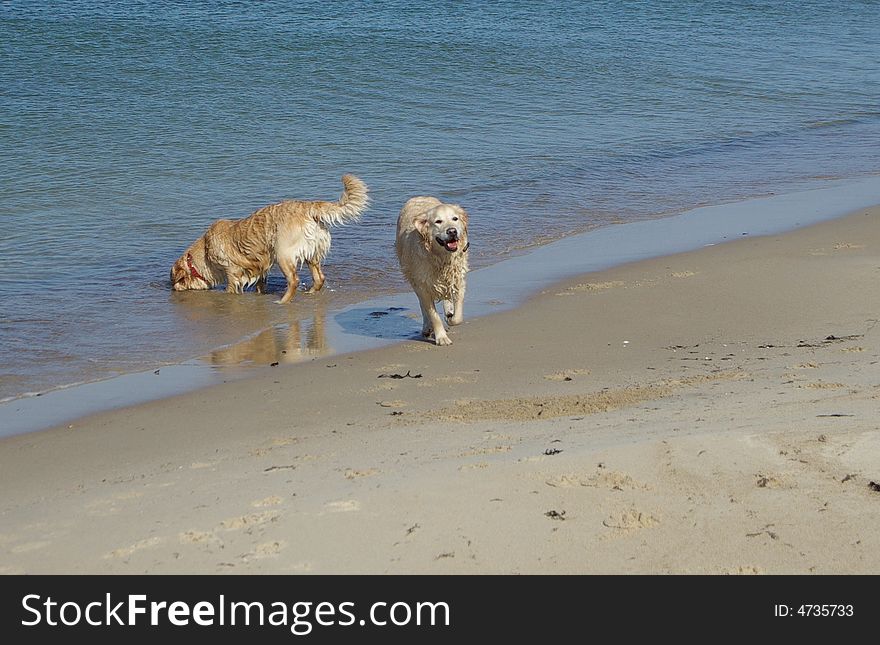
591	287
278	442
611	480
300	567
631	519
822	385
199	465
771	481
477	466
247	521
351	473
683	274
566	375
397	403
744	570
272	500
488	450
566	481
202	538
128	551
343	506
840	246
265	550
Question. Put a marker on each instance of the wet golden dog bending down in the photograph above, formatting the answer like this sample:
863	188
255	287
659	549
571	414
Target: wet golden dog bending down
239	253
432	247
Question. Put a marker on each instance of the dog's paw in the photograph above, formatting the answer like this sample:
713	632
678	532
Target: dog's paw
455	320
443	339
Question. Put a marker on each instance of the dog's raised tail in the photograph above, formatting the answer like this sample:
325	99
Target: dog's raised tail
351	204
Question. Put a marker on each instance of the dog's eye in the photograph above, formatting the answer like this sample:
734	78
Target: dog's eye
439	221
454	219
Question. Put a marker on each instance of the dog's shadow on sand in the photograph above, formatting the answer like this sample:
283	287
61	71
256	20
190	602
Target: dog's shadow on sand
393	323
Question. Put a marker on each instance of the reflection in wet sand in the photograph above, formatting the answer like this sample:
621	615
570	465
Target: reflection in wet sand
216	322
303	336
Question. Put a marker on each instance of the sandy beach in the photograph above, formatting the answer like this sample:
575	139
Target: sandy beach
708	412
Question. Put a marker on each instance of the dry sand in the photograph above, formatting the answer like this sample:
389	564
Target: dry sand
711	412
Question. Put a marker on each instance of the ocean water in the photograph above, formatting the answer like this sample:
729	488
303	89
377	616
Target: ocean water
126	128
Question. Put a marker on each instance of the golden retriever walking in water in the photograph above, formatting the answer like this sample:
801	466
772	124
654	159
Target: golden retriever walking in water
432	246
239	253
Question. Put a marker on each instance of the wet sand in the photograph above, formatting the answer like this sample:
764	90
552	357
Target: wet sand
325	325
708	412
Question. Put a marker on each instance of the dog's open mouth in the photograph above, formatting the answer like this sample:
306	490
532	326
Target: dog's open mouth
449	245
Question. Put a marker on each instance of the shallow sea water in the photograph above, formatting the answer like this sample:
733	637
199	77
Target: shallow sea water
126	128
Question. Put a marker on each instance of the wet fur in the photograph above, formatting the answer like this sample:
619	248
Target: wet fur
240	253
434	272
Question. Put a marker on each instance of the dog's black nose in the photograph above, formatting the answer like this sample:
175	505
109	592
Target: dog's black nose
452	233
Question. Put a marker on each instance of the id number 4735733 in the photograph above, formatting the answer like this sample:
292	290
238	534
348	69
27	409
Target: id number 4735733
813	610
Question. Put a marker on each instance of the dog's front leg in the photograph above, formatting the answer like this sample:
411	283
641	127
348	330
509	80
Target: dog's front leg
234	279
431	320
232	285
457	315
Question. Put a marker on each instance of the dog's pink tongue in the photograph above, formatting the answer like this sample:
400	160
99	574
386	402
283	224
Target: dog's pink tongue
452	245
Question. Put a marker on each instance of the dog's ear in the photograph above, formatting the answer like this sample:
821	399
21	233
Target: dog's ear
462	214
424	229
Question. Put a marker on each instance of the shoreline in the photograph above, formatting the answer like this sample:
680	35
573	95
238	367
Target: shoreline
497	287
712	411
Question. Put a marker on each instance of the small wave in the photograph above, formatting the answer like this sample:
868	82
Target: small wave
830	123
23	395
65	386
867	113
520	183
